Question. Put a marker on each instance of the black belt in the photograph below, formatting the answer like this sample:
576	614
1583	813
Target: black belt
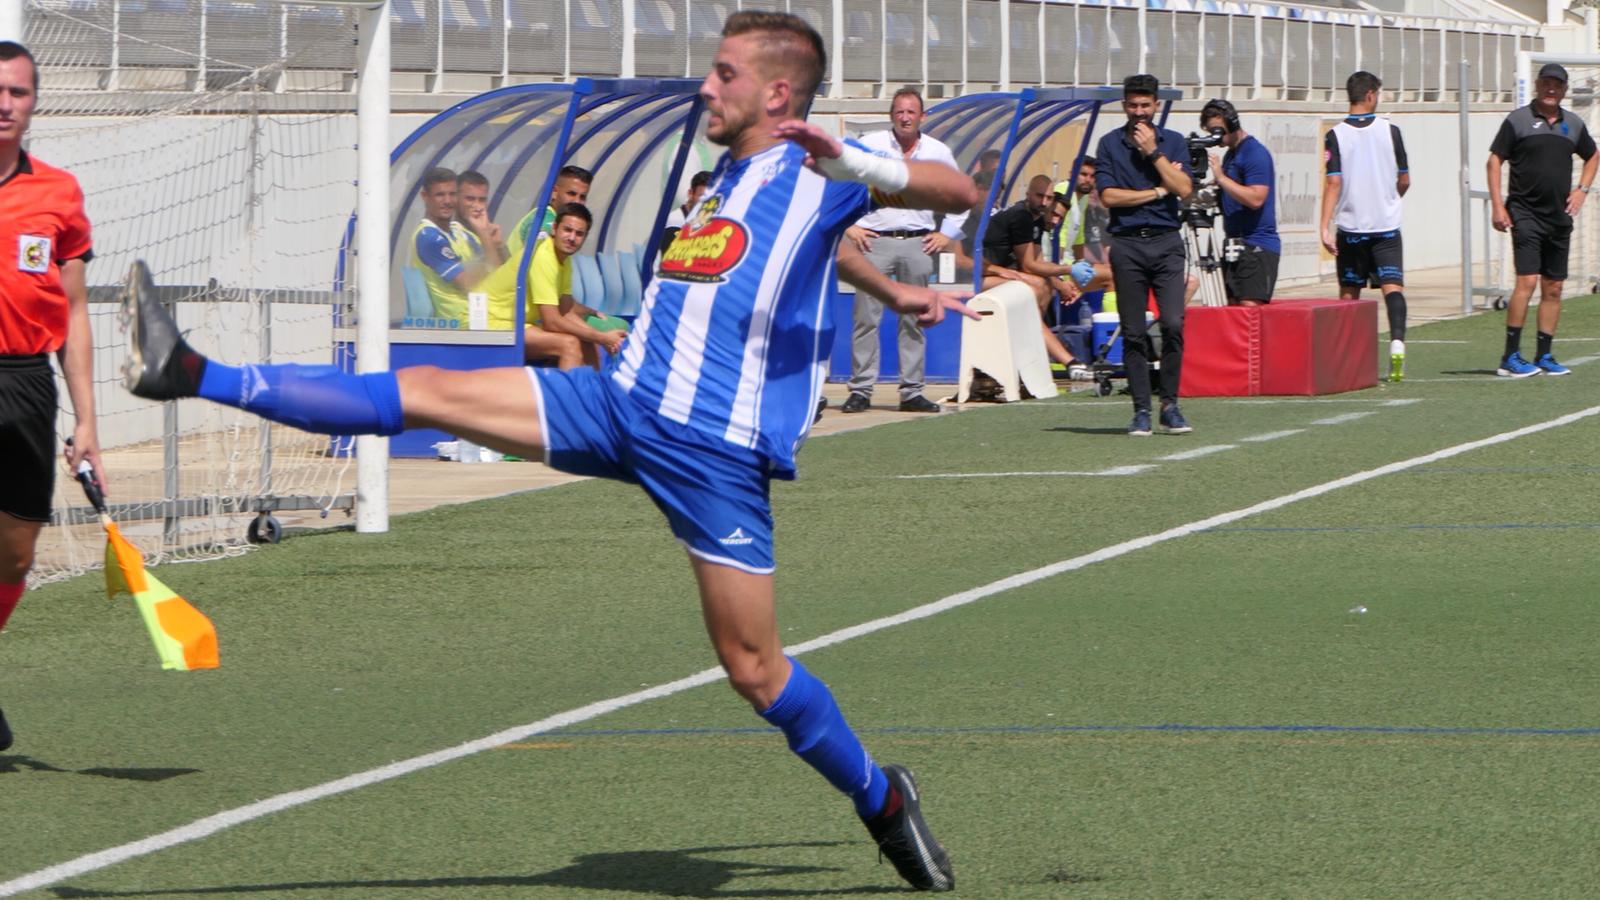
1147	231
25	361
904	234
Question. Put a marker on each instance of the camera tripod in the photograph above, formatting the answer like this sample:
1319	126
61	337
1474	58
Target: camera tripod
1201	233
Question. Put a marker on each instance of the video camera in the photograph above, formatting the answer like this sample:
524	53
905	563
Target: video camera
1199	143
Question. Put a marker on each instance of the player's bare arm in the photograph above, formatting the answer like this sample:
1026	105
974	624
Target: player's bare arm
1332	185
925	185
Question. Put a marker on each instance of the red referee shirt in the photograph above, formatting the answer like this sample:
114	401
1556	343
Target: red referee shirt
41	226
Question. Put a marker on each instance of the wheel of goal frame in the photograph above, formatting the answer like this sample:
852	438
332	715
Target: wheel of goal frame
264	529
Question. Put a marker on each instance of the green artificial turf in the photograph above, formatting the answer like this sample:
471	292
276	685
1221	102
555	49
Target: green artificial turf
1205	716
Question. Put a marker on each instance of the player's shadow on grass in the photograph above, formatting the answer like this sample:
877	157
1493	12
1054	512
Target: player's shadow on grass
672	873
1467	372
10	765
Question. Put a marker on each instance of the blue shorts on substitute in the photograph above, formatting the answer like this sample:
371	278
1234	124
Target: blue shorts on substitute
713	493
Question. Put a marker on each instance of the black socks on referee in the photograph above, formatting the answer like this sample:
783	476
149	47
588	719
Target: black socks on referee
1395	302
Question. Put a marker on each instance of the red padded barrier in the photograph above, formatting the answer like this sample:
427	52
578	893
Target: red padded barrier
1222	351
1318	346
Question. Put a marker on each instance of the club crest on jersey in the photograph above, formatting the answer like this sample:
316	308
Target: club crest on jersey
33	253
707	247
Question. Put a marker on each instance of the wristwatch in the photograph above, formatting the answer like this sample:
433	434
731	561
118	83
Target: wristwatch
1155	155
1586	188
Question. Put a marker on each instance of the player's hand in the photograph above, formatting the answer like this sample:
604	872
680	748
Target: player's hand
817	143
1068	289
861	237
612	340
1328	242
929	305
1144	137
1501	218
85	445
1575	202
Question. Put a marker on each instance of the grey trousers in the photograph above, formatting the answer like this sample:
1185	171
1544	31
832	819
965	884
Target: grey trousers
903	260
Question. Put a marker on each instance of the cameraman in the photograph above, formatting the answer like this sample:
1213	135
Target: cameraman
1141	178
1249	207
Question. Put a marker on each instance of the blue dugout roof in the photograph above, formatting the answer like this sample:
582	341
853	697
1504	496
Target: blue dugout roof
631	133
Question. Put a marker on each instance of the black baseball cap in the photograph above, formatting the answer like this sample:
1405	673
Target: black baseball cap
1554	70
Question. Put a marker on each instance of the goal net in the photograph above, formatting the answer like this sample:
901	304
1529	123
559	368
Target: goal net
215	142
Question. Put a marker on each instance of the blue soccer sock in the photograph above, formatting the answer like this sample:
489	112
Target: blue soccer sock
817	733
319	399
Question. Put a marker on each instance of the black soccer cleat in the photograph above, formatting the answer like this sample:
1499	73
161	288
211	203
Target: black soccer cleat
160	365
5	732
904	837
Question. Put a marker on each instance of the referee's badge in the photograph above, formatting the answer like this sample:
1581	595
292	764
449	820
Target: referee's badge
33	253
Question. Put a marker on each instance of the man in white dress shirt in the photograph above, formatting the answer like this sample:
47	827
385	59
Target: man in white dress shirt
901	244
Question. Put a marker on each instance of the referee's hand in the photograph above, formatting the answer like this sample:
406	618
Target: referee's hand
1501	218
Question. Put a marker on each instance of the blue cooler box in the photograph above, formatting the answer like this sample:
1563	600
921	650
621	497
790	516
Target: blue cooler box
1104	324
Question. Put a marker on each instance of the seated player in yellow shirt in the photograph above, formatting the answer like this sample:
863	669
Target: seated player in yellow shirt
555	325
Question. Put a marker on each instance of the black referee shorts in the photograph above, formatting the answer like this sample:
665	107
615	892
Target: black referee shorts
1370	260
1539	243
27	436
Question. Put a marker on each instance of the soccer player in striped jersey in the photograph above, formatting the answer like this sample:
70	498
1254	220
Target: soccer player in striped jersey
711	397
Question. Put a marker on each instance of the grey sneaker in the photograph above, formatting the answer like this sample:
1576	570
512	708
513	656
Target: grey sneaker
904	837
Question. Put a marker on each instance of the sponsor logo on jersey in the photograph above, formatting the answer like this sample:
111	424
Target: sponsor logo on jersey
707	247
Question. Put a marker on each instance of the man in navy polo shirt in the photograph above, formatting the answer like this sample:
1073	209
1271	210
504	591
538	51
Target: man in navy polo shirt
1249	206
1141	178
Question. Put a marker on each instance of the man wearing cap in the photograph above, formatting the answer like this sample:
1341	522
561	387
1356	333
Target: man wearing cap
1539	141
900	243
1141	178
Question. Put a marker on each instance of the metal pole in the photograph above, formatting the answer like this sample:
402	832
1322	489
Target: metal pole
1466	194
13	20
629	18
372	255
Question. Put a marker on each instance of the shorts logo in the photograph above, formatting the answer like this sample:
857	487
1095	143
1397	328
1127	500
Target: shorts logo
33	253
707	247
737	539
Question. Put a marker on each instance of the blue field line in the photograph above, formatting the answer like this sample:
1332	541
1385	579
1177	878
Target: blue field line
1316	529
1170	727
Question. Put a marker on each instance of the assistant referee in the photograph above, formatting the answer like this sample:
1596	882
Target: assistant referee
1539	140
44	309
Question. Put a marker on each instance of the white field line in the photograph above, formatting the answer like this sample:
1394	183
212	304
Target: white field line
1267	401
1409	401
1197	452
1341	419
1113	472
202	828
1272	436
1410	342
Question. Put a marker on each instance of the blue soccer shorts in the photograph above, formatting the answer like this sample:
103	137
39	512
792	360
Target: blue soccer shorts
714	494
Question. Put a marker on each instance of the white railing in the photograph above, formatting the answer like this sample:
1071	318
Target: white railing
1242	48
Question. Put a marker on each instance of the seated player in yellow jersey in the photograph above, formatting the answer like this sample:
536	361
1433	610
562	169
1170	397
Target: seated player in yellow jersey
556	325
452	257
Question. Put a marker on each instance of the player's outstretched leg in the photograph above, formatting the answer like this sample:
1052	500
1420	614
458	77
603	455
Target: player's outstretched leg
321	399
740	619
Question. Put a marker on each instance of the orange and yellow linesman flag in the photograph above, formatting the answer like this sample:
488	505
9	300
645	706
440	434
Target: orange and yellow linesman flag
184	638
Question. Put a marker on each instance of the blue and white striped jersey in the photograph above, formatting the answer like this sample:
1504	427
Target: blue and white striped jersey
734	334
